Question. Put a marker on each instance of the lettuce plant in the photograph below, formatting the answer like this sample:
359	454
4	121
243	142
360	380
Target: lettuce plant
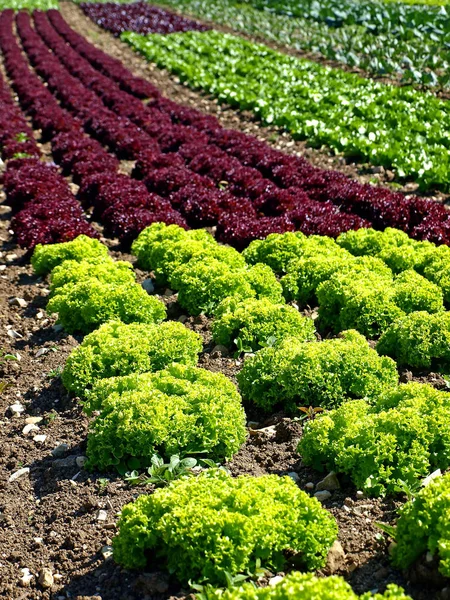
418	340
423	526
304	586
162	248
215	526
84	305
116	349
257	323
294	373
203	283
45	258
182	410
103	269
412	292
401	438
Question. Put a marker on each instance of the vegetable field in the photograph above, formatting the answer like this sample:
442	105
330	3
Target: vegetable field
225	277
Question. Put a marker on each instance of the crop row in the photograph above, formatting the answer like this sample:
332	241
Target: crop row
419	60
188	157
44	208
144	395
139	17
401	129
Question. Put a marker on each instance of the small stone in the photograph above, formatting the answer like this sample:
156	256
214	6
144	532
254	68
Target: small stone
16	409
429	557
148	285
391	548
295	476
322	496
45	578
81	461
253	424
15	335
28	428
274	580
40	438
57	328
182	318
60	450
336	557
310	486
18	302
107	552
168	292
38	540
64	463
26	578
219	351
41	352
330	482
33	420
102	515
19	473
359	495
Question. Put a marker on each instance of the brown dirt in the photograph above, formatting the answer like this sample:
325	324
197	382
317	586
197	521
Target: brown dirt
48	518
170	86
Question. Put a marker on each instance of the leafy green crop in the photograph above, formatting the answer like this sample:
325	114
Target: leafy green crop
162	248
84	305
402	129
294	373
45	258
279	250
182	410
103	269
394	247
116	349
423	526
214	526
306	274
258	323
202	283
401	438
303	586
418	340
29	5
388	44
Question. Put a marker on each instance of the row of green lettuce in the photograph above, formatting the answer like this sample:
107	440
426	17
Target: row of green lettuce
138	373
379	284
423	59
401	129
29	4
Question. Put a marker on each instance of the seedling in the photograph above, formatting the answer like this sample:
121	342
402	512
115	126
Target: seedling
161	473
310	412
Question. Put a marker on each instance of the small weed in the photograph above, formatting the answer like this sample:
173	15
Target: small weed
310	412
54	373
161	473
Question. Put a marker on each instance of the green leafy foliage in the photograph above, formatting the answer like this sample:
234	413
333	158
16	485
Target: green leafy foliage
423	526
394	247
306	274
161	473
383	40
103	269
83	248
214	525
293	373
418	340
303	586
86	304
182	410
399	128
401	438
203	283
255	322
162	248
29	5
116	349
